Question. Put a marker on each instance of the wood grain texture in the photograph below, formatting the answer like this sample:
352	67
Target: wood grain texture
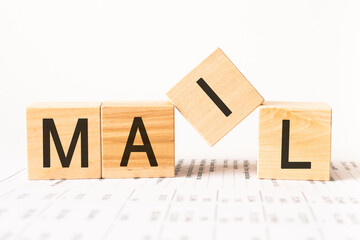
65	116
117	119
310	140
230	86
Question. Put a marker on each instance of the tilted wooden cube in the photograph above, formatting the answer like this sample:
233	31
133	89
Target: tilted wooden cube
215	97
137	139
294	141
63	140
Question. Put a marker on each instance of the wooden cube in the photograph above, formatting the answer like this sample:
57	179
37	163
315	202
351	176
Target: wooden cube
215	97
63	140
294	141
137	139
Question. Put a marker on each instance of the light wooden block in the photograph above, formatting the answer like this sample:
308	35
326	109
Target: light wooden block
215	97
44	161
308	126
118	119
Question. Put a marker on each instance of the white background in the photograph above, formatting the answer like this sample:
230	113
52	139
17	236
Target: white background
115	50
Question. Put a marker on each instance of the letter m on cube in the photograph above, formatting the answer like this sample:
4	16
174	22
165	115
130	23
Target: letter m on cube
64	140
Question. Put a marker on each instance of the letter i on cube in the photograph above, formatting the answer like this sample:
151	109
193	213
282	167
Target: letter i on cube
214	97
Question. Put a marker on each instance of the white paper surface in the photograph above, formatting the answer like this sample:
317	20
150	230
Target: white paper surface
208	199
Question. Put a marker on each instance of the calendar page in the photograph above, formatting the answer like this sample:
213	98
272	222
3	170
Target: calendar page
207	199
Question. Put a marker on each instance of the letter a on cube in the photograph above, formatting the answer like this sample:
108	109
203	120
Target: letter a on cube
63	140
137	139
294	141
215	97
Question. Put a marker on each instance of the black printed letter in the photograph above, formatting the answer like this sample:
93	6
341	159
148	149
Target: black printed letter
130	147
285	164
49	128
214	97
